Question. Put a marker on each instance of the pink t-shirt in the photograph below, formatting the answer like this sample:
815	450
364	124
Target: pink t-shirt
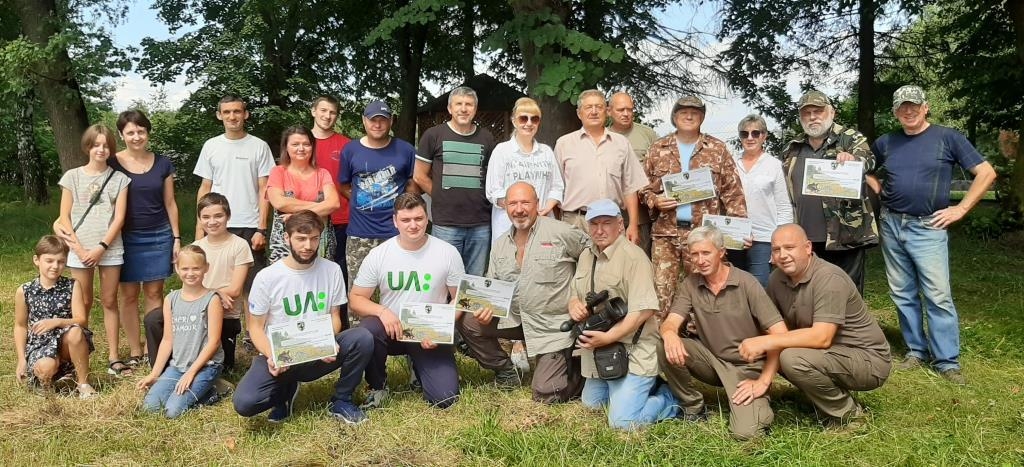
309	189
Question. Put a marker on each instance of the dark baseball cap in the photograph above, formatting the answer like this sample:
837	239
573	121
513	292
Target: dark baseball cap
376	108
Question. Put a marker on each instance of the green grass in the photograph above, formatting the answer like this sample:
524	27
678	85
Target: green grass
917	418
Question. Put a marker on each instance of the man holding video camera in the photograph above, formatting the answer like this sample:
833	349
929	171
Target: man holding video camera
618	344
728	305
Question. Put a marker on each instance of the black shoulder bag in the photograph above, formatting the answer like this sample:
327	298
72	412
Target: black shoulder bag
612	360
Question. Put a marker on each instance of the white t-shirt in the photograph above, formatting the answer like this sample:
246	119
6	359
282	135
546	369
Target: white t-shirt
235	166
284	293
404	276
223	259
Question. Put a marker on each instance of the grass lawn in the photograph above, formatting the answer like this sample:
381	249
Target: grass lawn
917	418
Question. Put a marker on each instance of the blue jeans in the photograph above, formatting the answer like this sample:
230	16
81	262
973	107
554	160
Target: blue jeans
161	394
473	243
917	263
630	402
756	260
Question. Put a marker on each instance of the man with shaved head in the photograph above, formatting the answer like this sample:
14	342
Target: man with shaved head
833	345
640	136
539	254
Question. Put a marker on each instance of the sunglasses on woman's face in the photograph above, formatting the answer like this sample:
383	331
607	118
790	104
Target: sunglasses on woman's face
750	134
522	119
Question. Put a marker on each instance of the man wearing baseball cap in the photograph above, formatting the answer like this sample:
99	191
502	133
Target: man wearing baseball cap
839	228
915	165
616	265
374	171
685	148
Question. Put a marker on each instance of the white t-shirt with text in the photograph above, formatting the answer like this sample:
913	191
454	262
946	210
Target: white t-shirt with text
283	293
404	276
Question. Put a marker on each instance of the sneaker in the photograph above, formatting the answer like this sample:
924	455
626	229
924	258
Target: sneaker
375	399
696	417
508	378
852	420
347	412
910	363
86	391
281	412
954	376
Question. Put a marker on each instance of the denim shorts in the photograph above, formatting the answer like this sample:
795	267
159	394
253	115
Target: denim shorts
147	254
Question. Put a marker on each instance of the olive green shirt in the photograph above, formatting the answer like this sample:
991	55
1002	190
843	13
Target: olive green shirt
827	295
542	282
739	311
626	272
641	137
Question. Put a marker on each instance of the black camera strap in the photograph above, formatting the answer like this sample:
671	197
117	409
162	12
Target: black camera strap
593	276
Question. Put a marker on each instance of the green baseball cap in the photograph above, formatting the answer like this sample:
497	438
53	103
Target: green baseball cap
909	93
815	98
688	101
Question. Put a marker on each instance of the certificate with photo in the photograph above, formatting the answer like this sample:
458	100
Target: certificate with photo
828	178
422	321
734	229
687	187
298	340
477	292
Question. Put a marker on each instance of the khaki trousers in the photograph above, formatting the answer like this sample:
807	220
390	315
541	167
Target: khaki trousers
827	376
745	421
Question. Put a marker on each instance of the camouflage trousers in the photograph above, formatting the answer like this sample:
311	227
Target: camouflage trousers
356	249
671	264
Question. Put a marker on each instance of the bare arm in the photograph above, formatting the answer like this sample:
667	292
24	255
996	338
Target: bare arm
215	320
360	302
421	175
984	177
171	205
204	188
20	331
163	353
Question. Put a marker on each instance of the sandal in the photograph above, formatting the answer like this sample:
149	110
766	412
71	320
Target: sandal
136	360
119	368
86	391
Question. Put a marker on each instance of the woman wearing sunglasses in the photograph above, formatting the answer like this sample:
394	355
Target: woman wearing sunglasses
522	158
768	203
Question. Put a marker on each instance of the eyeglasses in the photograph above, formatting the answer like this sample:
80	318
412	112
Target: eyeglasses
751	134
522	119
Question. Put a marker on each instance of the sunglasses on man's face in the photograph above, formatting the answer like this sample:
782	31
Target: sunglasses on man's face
750	134
522	119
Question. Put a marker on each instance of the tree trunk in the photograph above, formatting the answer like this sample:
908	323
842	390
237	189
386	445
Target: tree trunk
1016	195
411	40
866	75
466	61
54	83
33	176
559	117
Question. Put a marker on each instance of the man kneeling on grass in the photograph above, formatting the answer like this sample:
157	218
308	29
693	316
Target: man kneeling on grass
272	300
834	345
728	305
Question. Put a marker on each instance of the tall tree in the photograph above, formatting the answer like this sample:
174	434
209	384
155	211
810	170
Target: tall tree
55	82
820	42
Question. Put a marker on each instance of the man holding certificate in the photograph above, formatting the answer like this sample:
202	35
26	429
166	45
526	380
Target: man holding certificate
680	199
539	253
415	274
817	164
287	306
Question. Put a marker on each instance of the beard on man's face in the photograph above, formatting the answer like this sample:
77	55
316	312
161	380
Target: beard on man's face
299	259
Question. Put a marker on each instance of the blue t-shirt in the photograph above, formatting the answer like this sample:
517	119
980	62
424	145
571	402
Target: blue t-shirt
146	209
919	168
684	212
377	176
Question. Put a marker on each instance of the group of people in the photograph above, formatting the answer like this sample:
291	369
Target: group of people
623	295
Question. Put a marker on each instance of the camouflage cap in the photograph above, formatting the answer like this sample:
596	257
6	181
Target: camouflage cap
909	93
815	98
689	100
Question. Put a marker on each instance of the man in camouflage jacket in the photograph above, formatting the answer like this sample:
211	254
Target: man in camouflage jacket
839	228
673	222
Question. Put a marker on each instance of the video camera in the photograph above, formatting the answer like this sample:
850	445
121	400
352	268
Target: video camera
600	319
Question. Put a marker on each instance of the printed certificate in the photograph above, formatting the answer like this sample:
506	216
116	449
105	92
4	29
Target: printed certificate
687	187
824	177
477	292
734	229
422	321
308	338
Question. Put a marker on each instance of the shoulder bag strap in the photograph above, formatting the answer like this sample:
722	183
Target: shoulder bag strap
92	202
